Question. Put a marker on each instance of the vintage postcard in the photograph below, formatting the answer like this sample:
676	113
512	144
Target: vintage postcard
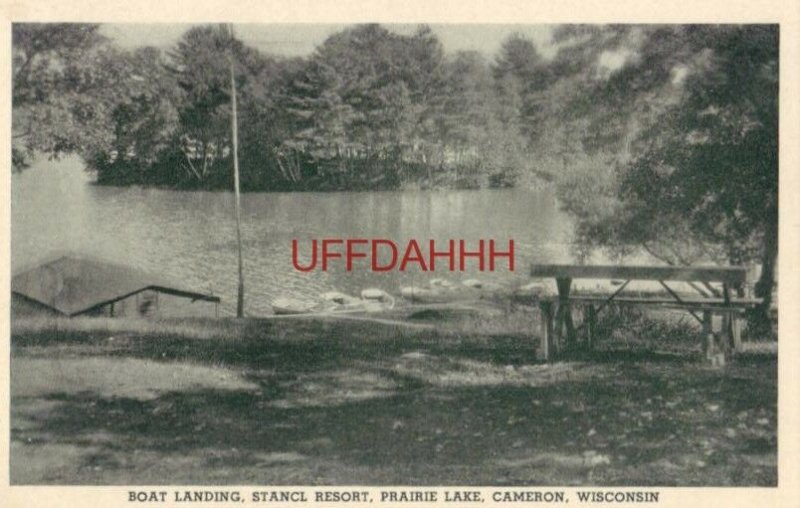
375	255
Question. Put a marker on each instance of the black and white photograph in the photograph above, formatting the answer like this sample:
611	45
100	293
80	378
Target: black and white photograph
394	254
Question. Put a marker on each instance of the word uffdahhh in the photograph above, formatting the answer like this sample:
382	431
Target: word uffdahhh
382	255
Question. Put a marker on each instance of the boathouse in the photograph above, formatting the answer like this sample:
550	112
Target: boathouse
72	285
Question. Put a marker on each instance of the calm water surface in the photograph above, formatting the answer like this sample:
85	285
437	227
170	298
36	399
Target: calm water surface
190	236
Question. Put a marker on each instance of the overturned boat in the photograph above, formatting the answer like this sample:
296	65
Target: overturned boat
372	300
378	296
444	291
438	291
286	306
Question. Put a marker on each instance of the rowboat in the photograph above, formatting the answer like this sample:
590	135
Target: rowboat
286	305
341	301
417	294
372	300
378	296
482	286
444	291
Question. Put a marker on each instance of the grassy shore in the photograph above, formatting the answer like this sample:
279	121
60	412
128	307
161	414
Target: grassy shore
322	401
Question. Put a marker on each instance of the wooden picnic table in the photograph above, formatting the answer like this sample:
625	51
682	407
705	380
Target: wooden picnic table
559	324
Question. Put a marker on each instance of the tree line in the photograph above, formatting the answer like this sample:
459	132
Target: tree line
654	137
369	109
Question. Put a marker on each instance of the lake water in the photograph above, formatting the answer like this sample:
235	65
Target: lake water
190	236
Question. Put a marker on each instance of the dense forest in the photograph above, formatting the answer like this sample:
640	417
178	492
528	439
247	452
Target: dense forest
369	109
655	137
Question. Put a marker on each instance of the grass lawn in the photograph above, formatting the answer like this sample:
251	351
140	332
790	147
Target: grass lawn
305	402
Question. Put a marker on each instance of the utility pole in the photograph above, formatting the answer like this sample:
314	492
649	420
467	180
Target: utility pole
235	143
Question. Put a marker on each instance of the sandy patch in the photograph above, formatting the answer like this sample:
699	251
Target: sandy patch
334	388
117	377
450	372
48	463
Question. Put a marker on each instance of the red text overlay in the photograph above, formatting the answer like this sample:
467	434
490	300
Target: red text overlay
382	255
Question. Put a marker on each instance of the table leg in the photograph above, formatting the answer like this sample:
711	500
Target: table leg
728	319
564	316
736	332
546	344
591	324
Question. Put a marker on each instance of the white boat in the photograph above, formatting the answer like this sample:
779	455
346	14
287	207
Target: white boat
537	288
482	286
372	300
340	298
286	305
377	297
434	295
441	284
444	291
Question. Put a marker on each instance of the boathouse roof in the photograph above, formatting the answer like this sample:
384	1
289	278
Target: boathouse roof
74	284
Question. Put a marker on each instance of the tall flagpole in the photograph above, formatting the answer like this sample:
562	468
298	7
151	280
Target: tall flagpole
235	139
